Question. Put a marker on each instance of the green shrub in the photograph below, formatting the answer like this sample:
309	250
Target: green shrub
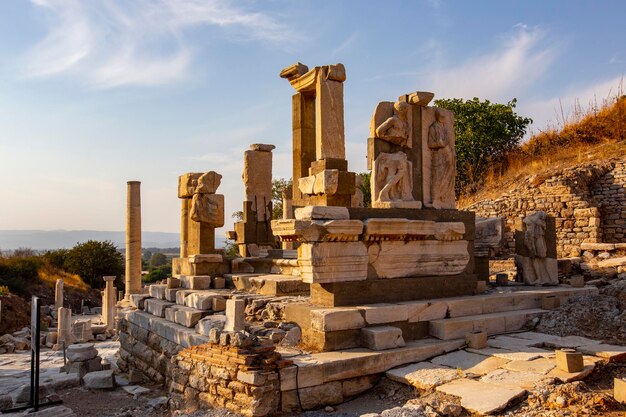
55	258
4	290
158	274
92	260
17	273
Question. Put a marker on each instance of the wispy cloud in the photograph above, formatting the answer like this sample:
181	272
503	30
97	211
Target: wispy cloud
520	60
112	43
553	111
345	44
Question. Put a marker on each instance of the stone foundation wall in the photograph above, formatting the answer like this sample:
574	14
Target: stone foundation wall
610	195
243	380
569	196
145	351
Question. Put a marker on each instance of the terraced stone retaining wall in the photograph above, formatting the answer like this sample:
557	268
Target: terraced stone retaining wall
580	199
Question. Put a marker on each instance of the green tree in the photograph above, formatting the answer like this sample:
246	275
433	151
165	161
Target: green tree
279	186
94	259
158	274
55	258
157	260
485	134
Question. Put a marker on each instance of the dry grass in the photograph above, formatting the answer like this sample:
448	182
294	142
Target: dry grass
49	275
594	134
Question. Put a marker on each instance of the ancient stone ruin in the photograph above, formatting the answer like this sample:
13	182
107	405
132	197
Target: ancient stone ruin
324	301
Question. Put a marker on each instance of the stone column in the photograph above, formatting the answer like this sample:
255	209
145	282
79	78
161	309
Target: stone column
64	328
133	239
58	294
103	294
329	129
110	298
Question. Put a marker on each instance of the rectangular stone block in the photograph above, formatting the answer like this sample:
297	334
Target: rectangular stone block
187	184
345	318
385	313
323	262
157	291
568	360
619	390
200	301
382	338
170	294
188	316
156	307
195	282
235	315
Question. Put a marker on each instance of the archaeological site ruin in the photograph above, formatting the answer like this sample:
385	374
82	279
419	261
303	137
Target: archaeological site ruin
322	304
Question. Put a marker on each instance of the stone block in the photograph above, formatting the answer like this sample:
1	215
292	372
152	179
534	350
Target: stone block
218	304
476	339
423	375
196	282
382	337
235	315
322	213
157	307
619	390
157	291
188	316
187	184
550	302
137	300
99	380
219	282
323	262
207	323
200	300
328	320
385	313
170	294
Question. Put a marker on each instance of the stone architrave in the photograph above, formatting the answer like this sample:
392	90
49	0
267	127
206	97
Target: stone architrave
64	326
390	123
257	179
535	252
440	142
392	182
110	298
58	294
133	239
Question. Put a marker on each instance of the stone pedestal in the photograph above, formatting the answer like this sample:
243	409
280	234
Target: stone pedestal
133	239
254	232
110	299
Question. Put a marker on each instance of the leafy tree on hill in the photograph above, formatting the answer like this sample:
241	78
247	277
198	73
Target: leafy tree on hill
94	259
485	134
157	260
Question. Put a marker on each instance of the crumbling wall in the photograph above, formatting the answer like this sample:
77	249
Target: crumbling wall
610	195
243	380
567	195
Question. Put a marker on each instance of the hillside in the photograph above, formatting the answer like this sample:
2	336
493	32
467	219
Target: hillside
576	174
596	136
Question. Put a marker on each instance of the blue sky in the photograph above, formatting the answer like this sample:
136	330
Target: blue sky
94	92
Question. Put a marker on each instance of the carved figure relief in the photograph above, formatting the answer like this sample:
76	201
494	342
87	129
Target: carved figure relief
393	179
396	128
443	165
537	268
205	207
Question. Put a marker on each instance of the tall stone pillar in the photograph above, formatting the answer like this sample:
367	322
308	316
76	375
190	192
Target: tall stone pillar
110	298
133	239
58	294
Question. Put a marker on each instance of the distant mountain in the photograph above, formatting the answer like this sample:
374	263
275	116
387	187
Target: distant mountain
58	239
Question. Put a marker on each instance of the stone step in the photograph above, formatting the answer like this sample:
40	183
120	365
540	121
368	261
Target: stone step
241	280
413	312
202	300
173	332
156	307
157	291
382	337
185	316
278	285
320	368
494	323
195	282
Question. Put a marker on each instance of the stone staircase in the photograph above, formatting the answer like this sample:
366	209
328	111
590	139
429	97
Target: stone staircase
506	311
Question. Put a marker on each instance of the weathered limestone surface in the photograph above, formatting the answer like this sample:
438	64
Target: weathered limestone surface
423	375
392	182
257	179
332	261
58	294
133	239
535	250
471	394
394	259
